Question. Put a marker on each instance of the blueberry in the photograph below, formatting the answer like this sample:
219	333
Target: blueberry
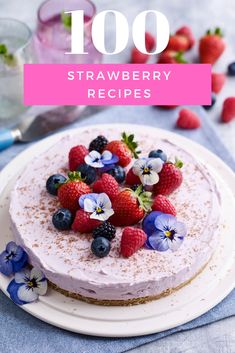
118	173
53	182
100	247
231	69
148	222
88	173
213	100
62	219
158	154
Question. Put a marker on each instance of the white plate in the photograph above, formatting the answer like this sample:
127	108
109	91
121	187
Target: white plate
203	293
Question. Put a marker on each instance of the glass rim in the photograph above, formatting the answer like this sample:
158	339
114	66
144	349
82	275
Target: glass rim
23	24
41	21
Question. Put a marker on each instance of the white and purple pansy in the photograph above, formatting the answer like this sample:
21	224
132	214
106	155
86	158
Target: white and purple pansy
97	160
27	286
99	205
12	259
169	233
147	170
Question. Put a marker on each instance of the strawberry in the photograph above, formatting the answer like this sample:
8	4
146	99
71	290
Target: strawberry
129	206
187	32
132	179
106	184
70	192
171	57
132	240
125	149
211	47
76	156
150	41
83	223
217	82
187	119
137	57
178	42
170	178
228	111
162	204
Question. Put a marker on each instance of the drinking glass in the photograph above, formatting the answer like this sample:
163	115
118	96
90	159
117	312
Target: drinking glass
14	52
53	38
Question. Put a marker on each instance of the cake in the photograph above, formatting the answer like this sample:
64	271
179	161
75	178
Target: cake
65	256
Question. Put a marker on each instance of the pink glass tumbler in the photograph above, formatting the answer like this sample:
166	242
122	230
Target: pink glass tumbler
52	38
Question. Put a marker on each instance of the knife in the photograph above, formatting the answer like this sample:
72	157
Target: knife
33	127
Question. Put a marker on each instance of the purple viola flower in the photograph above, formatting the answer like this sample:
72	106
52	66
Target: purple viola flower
12	259
27	286
169	233
97	160
93	196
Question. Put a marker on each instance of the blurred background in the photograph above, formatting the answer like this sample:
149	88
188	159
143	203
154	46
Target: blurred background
199	15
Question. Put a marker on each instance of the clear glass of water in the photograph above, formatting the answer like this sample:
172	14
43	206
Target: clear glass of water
53	34
15	51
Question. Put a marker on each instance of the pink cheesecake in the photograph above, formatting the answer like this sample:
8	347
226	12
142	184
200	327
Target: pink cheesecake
65	257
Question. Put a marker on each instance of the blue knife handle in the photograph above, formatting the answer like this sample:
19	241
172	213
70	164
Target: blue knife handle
6	139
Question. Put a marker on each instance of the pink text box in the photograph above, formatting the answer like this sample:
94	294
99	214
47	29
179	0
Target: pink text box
48	84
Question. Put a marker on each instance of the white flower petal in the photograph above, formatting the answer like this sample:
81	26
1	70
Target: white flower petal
42	287
26	295
37	274
89	205
103	201
149	179
94	159
102	216
138	165
106	155
21	277
175	243
156	164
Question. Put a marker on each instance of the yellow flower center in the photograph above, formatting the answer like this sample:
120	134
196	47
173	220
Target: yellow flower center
167	233
99	210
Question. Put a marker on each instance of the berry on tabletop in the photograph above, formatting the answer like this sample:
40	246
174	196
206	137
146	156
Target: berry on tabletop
188	119
62	219
211	46
162	204
213	101
76	156
231	69
171	57
106	230
228	111
132	240
187	32
98	144
53	183
178	42
217	81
